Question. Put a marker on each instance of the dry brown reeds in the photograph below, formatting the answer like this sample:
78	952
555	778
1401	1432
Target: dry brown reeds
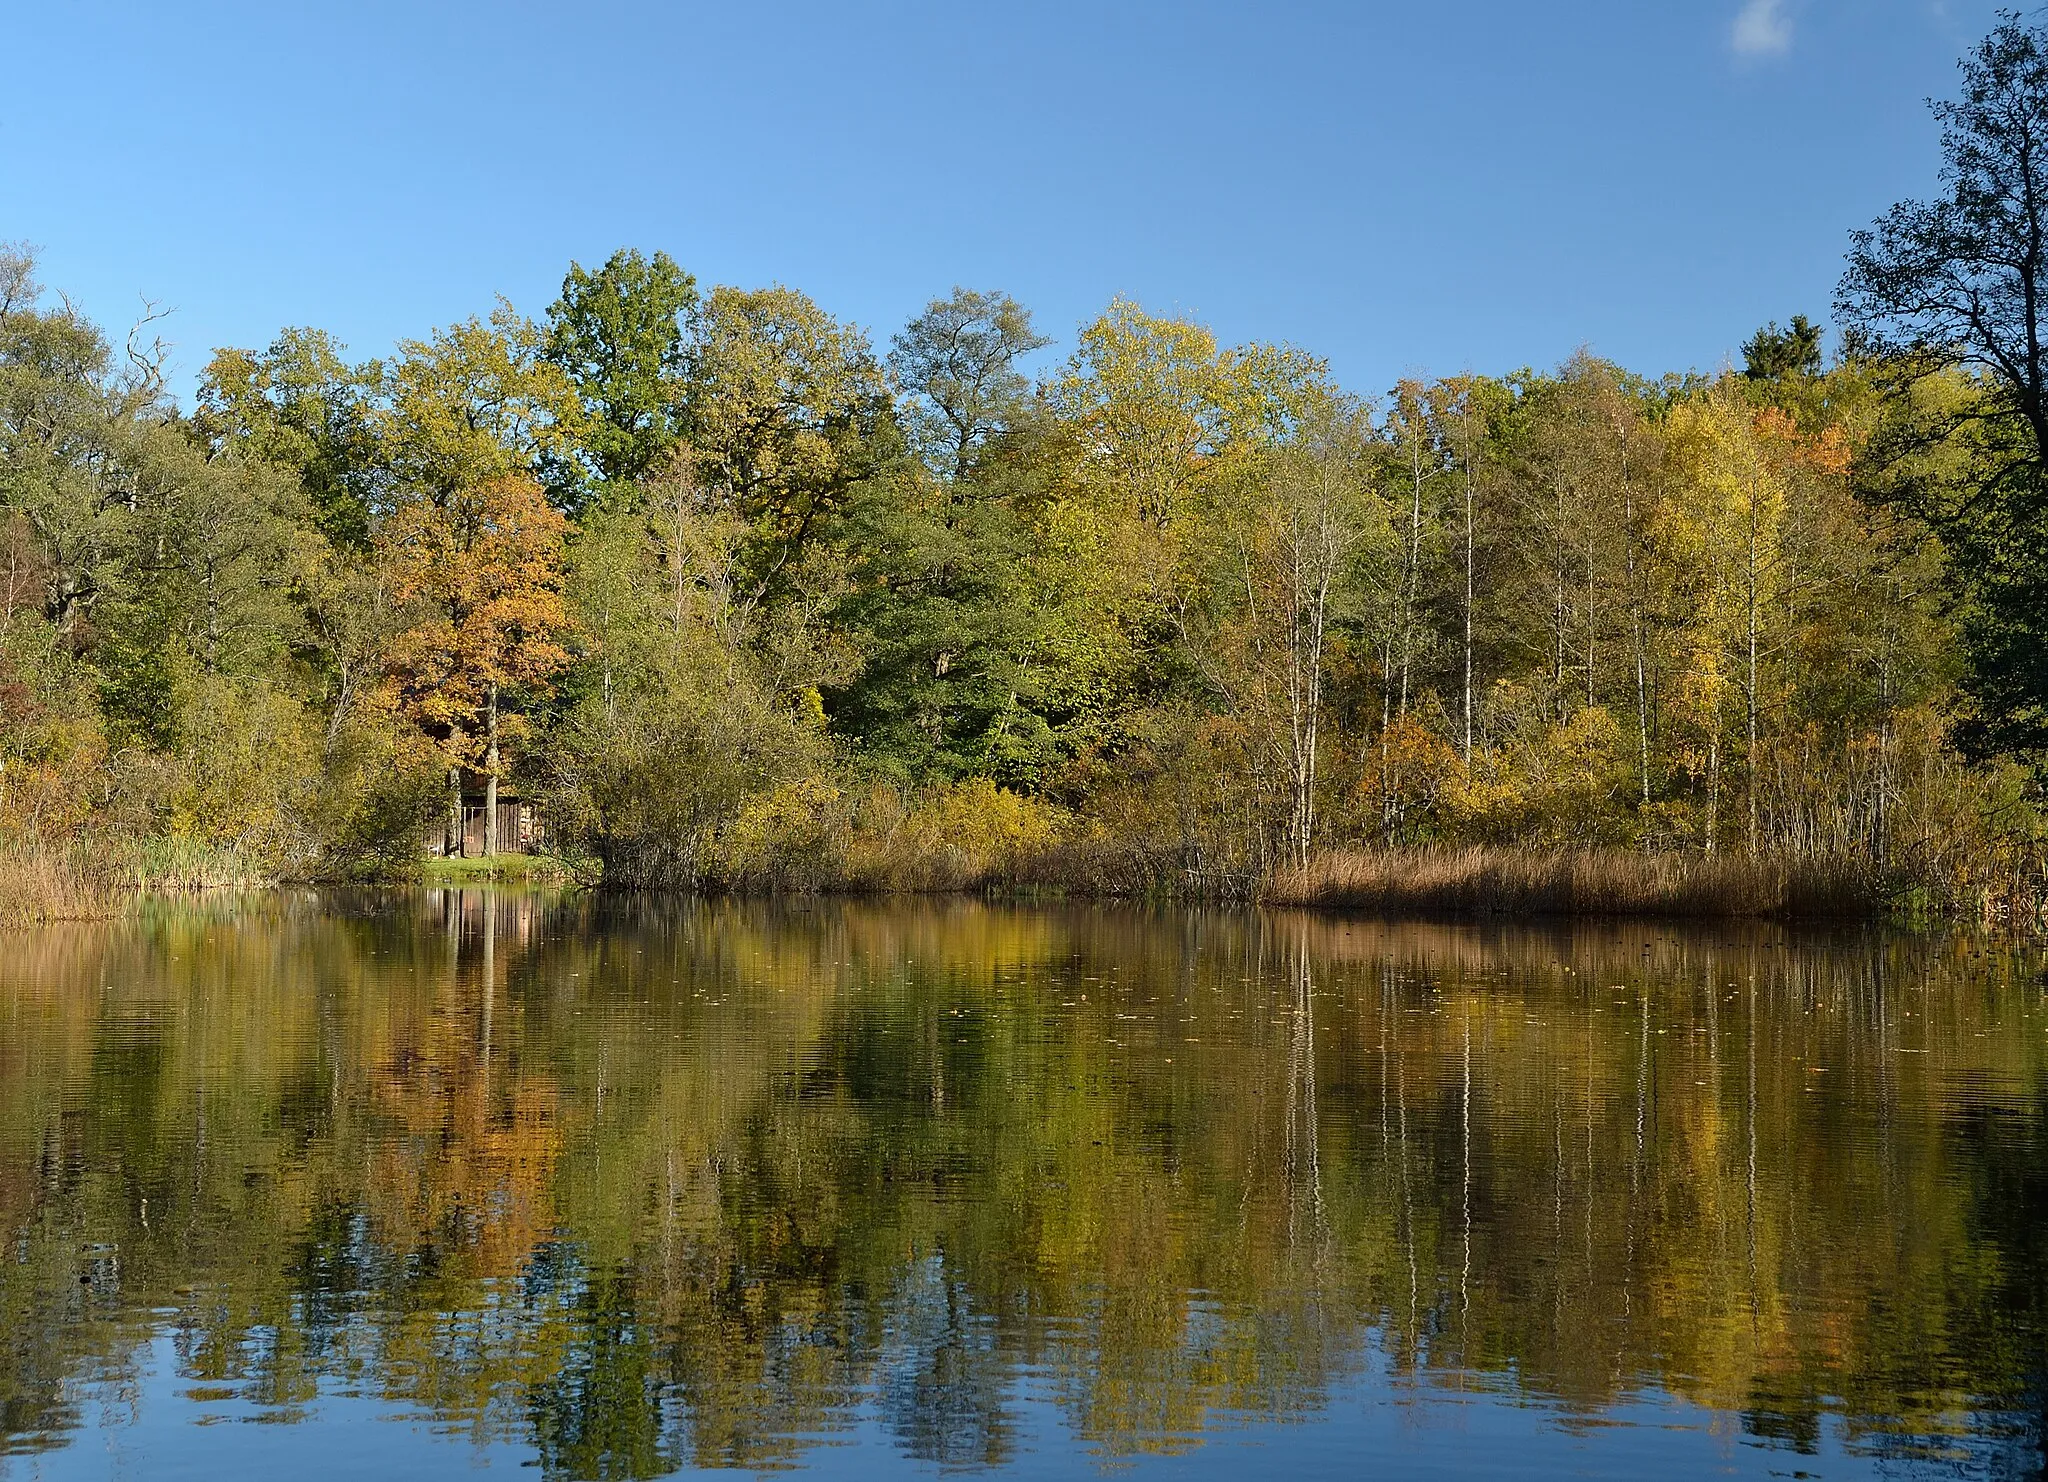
48	884
1485	881
97	874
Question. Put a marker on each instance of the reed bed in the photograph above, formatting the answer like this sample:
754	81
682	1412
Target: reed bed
88	877
43	884
173	865
1446	881
1484	881
51	883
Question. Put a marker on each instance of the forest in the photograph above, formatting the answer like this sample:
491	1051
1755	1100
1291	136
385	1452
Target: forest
745	598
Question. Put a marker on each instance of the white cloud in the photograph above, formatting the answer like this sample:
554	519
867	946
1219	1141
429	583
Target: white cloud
1762	29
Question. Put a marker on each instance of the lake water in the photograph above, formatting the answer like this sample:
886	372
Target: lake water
409	1185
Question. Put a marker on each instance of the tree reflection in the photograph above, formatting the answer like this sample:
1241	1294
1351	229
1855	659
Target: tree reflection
647	1184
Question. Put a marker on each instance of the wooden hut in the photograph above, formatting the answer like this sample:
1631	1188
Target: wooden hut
521	829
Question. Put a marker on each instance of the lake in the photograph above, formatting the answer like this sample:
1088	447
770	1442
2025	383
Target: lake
327	1185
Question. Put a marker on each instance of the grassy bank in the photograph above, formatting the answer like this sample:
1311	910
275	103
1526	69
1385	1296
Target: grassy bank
1482	881
973	837
1441	881
91	877
1450	881
502	869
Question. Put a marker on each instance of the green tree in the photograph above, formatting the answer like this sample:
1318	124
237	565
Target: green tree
74	429
945	615
219	548
472	404
301	405
941	600
699	697
619	336
788	411
1961	284
1772	353
956	364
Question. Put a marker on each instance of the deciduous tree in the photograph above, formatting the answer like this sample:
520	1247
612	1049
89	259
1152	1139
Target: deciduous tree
482	572
619	334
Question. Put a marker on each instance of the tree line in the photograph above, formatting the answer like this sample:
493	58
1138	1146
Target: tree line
747	598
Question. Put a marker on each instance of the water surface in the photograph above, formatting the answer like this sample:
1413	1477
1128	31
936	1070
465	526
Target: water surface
322	1186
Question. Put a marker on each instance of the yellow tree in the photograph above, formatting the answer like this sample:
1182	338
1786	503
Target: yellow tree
1197	544
1160	409
1163	429
1725	528
481	574
475	402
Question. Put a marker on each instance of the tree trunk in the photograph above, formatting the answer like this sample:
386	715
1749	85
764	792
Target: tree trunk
491	781
1387	673
454	845
1466	749
1750	699
1636	634
1714	782
1305	683
1560	603
1753	818
212	583
1592	612
1412	584
1886	737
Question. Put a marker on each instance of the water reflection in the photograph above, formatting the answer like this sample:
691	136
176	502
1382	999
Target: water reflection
631	1187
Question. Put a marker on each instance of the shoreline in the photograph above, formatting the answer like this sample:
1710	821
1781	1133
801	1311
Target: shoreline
1478	884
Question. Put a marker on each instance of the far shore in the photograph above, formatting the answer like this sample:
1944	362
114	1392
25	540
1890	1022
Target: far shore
1454	883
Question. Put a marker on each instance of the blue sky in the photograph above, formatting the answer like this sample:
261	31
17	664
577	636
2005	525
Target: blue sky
1472	184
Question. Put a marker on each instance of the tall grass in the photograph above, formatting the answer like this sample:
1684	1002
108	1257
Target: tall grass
1489	881
44	883
94	875
984	843
171	863
811	838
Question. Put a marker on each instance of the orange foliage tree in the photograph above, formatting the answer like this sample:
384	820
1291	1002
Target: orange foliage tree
481	574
